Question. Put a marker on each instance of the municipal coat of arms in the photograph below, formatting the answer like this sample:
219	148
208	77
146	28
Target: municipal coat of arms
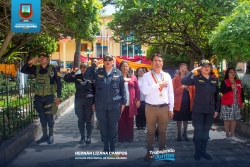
26	12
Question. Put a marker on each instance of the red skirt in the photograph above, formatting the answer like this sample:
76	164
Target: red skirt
125	127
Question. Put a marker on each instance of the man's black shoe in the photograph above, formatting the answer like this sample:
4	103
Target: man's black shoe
50	140
88	140
42	140
205	155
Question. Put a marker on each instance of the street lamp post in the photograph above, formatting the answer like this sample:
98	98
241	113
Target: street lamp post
88	51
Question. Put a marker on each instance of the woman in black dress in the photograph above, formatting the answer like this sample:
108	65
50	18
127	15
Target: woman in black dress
183	99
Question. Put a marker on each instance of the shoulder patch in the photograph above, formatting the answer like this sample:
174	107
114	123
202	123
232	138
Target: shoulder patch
79	80
213	81
100	76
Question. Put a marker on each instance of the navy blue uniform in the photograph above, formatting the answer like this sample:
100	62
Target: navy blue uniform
206	102
84	99
40	102
110	94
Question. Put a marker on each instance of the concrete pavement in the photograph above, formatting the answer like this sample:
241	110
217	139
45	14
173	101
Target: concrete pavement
62	152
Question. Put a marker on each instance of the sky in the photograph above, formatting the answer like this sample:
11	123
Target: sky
109	10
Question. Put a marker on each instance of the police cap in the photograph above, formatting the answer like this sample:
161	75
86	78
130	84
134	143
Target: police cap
108	56
43	54
204	62
84	65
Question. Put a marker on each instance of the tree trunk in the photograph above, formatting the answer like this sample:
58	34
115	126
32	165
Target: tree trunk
232	64
20	44
6	43
191	64
78	53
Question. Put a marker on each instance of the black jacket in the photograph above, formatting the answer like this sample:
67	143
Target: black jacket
85	88
206	99
110	90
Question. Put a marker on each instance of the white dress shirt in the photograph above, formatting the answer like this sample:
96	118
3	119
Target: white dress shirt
127	93
152	92
142	96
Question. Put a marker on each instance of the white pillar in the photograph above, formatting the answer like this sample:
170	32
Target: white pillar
64	56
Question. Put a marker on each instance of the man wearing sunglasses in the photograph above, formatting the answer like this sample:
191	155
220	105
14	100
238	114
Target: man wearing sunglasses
110	100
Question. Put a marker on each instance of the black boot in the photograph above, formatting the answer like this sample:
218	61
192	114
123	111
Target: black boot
112	146
44	138
51	138
82	140
106	147
197	154
88	140
204	154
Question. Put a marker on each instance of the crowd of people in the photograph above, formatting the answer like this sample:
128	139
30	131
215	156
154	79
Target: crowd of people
117	96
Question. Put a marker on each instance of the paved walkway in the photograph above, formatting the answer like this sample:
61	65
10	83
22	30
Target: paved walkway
61	153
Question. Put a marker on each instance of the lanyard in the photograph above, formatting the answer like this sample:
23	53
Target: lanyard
156	81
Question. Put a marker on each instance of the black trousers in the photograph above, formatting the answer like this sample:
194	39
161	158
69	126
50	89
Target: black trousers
84	113
40	103
202	123
108	121
141	117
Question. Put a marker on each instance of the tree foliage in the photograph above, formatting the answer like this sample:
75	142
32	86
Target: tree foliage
81	17
81	20
231	39
171	61
183	25
51	24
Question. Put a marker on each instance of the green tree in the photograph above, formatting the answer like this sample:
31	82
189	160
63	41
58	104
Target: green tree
230	40
81	20
171	58
42	43
51	24
184	24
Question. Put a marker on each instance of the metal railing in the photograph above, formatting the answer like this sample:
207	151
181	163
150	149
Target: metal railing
245	112
16	110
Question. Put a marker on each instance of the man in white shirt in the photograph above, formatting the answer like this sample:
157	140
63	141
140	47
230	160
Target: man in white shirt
157	86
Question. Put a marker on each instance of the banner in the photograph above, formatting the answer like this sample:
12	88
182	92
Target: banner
134	65
25	16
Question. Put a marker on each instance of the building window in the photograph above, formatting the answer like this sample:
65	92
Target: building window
98	44
130	50
84	46
58	48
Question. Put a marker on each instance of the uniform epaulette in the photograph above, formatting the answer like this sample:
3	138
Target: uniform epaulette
100	70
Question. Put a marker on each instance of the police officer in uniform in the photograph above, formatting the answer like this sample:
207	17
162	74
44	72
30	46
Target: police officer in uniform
205	107
47	82
110	100
84	99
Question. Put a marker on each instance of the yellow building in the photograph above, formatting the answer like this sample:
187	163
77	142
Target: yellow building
102	45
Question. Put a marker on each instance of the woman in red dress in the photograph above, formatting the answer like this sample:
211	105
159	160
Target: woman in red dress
126	122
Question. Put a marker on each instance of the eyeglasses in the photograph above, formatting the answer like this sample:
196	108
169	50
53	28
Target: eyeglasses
107	60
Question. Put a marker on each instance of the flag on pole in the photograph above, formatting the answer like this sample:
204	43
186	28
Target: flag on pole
102	43
108	40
